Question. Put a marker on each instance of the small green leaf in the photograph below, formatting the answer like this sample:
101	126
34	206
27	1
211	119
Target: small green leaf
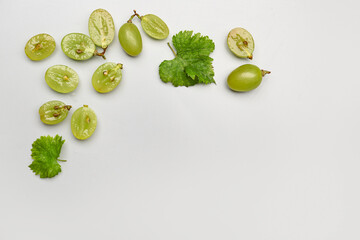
192	63
45	152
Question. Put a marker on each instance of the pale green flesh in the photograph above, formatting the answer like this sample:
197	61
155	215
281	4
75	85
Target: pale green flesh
244	78
83	122
154	26
40	47
130	39
50	115
241	43
61	78
78	41
101	28
107	77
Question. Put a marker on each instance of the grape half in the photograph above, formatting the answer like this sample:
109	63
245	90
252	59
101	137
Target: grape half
101	28
154	26
61	78
53	112
78	46
83	122
245	78
40	46
130	39
107	77
241	43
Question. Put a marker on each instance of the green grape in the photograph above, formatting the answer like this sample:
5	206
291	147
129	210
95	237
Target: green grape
40	46
101	28
241	43
107	77
78	46
154	26
53	112
245	78
130	39
83	122
61	78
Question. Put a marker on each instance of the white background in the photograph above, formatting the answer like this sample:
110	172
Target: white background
279	163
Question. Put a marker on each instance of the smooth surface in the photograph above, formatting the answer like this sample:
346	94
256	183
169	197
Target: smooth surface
281	162
245	78
130	39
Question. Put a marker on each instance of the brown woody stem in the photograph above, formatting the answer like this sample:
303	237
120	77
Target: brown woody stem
264	72
132	16
102	54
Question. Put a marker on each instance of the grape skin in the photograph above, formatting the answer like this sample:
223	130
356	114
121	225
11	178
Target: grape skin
130	39
245	78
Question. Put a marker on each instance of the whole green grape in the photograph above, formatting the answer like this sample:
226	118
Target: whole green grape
53	112
61	78
107	77
154	26
83	122
40	47
130	39
245	78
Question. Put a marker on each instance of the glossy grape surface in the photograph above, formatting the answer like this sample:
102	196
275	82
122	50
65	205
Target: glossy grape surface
61	78
130	39
78	46
241	43
101	27
245	78
83	122
154	26
53	112
40	47
107	77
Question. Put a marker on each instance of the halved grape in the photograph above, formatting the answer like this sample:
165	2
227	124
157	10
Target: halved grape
130	39
78	46
107	77
83	122
101	28
241	43
61	78
53	112
40	46
245	78
154	26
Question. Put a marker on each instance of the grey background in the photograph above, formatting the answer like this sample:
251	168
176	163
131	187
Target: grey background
278	163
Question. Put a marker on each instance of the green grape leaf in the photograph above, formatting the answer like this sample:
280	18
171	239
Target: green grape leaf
192	63
45	152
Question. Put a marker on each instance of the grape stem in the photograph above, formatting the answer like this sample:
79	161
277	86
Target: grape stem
62	160
264	72
68	107
132	16
102	54
171	49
